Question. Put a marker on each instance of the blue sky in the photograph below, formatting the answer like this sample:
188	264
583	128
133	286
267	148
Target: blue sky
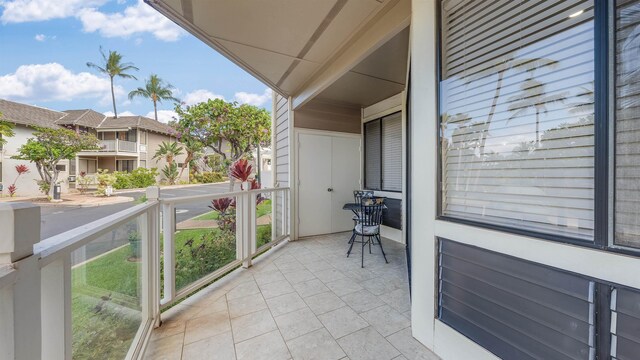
46	45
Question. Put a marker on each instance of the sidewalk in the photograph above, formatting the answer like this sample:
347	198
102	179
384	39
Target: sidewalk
87	200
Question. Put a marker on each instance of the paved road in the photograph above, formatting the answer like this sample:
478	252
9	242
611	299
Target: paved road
58	219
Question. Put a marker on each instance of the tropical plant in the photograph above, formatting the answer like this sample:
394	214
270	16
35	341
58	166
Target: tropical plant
241	170
50	146
193	148
533	95
83	182
155	89
231	130
169	151
20	170
105	180
170	172
6	130
225	207
113	66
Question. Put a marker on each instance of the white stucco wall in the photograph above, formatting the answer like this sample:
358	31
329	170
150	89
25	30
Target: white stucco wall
26	184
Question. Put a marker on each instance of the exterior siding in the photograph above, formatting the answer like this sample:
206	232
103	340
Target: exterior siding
280	162
27	183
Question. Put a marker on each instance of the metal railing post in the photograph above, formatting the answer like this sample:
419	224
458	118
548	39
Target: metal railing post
20	305
243	224
169	251
153	254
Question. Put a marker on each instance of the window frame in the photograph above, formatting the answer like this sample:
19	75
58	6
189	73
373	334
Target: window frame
364	151
604	121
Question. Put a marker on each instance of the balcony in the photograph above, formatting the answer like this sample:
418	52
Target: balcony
225	283
117	146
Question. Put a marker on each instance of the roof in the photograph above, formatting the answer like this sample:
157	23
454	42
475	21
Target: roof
29	115
140	122
84	117
36	116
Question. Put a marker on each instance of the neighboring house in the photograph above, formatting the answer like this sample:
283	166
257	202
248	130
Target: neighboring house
126	143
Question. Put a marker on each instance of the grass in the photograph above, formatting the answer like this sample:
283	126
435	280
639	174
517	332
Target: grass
263	208
105	290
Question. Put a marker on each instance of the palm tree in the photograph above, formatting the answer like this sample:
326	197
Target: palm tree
6	130
533	96
113	66
168	151
156	90
193	148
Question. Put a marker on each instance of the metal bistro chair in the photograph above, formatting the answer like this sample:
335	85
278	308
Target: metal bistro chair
358	195
368	225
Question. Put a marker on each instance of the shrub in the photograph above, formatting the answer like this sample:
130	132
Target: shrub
84	181
123	180
202	254
208	177
143	177
170	172
104	180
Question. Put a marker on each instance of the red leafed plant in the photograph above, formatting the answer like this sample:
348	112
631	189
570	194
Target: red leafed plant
225	207
21	170
241	170
222	205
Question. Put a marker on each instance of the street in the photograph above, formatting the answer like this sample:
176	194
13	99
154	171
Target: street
58	219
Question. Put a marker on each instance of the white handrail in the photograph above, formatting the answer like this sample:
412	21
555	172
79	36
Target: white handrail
57	246
187	199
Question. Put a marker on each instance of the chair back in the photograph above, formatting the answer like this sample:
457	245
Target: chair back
358	195
371	211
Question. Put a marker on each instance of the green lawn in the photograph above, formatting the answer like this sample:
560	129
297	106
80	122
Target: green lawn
105	290
263	208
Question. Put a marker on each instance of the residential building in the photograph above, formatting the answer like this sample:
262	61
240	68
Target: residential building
125	143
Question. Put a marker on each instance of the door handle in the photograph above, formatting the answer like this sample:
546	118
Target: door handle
329	189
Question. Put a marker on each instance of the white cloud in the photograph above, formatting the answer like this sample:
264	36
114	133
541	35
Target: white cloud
163	115
252	98
53	82
200	95
18	11
40	37
123	113
136	19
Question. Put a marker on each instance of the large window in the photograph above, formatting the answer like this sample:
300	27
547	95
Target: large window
517	115
383	153
627	123
125	165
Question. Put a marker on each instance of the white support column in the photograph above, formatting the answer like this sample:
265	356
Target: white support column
168	227
56	309
253	224
243	220
20	307
153	226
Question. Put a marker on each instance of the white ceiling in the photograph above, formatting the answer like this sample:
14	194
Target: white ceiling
282	42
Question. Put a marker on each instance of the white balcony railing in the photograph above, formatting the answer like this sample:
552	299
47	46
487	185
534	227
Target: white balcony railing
117	146
96	291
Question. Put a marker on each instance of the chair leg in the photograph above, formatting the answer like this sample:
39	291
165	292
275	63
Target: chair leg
383	254
363	244
352	241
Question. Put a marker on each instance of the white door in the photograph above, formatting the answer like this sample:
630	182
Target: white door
328	172
345	177
314	179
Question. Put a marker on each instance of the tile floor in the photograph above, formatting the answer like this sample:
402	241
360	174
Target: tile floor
304	300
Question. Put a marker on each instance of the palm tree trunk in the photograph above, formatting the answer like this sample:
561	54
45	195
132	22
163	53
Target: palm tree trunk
113	99
494	104
185	164
155	108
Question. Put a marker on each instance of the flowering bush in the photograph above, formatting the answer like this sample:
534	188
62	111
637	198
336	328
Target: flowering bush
21	170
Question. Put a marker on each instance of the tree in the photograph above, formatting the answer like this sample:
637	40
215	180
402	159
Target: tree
193	148
218	124
50	146
113	66
155	89
169	151
6	130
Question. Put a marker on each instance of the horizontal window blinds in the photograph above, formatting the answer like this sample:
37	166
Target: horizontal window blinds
517	114
627	124
373	134
392	152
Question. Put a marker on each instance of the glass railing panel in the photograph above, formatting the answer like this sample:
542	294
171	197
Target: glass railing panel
106	293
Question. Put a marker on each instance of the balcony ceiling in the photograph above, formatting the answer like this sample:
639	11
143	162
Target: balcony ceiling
283	42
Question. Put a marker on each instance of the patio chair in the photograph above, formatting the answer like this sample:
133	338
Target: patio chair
358	195
368	225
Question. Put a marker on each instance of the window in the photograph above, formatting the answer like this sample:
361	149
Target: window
88	166
517	115
626	77
383	153
125	165
61	168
